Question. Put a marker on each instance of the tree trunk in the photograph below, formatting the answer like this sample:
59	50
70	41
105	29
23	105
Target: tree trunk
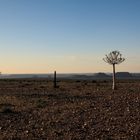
114	78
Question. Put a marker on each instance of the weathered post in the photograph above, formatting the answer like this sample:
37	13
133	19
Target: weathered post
54	81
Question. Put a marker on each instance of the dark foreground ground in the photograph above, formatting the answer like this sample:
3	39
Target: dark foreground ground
77	110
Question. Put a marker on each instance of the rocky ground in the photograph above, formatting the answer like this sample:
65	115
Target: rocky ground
77	110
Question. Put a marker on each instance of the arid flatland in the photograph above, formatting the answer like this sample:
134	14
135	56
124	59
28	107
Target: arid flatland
77	110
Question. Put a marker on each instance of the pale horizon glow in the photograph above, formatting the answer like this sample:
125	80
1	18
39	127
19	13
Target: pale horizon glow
69	36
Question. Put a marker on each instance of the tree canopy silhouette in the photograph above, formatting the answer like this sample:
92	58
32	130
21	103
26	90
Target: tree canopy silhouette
113	58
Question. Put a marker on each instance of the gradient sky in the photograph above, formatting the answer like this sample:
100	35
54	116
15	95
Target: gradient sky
70	36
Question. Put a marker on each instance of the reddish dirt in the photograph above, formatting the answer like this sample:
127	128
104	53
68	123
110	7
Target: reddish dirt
77	110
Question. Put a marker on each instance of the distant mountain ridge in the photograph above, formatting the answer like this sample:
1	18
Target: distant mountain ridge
123	74
86	76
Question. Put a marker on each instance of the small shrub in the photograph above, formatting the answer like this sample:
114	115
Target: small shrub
7	108
41	103
94	81
85	84
97	84
78	81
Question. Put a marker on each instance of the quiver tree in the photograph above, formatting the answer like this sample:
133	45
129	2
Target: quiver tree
113	58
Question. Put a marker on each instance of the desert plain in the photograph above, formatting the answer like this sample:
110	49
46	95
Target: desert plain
32	109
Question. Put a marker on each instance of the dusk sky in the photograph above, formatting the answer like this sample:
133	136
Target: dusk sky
69	36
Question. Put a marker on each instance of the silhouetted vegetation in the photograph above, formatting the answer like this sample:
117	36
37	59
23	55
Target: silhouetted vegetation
113	58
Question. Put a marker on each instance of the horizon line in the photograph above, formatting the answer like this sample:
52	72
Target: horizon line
61	73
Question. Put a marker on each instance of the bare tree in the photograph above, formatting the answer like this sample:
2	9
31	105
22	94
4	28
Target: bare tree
113	58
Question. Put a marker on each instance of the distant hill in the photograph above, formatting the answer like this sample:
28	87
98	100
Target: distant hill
80	76
123	75
101	75
76	76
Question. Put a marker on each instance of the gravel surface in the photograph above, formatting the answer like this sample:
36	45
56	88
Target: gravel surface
77	110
